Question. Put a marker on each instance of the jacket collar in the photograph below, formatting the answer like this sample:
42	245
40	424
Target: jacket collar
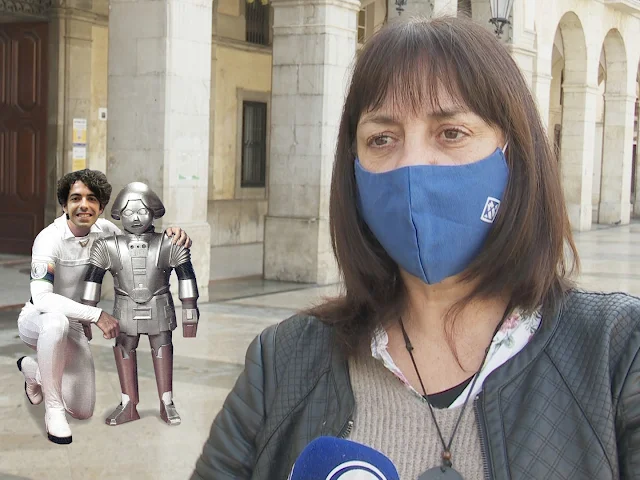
516	365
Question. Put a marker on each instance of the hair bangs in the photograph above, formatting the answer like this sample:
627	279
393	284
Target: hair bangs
406	72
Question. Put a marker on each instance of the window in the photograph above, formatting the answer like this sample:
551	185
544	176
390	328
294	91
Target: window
362	25
254	144
257	22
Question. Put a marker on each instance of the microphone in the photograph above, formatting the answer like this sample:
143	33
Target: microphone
330	458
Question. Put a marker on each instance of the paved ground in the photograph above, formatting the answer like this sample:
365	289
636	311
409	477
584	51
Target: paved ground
205	370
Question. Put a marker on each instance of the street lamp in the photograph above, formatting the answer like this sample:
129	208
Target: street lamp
500	11
400	6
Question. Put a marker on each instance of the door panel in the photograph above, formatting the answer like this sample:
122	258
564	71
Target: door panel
23	127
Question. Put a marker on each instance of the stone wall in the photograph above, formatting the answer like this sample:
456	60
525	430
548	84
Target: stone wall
236	214
97	128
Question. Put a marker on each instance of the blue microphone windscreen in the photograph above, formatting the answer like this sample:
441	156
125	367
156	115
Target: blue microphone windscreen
330	458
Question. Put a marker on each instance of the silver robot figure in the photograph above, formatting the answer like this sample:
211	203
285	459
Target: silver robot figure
141	261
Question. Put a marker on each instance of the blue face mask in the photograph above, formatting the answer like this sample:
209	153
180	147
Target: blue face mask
433	220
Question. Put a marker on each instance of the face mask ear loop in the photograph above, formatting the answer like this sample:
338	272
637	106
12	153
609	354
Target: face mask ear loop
504	149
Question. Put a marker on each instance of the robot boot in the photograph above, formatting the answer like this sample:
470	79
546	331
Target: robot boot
128	374
163	366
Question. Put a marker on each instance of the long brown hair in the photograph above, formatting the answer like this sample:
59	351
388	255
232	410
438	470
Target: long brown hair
409	65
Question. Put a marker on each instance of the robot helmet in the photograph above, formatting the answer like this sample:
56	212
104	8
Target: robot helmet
137	191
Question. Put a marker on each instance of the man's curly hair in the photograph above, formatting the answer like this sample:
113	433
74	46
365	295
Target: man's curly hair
95	180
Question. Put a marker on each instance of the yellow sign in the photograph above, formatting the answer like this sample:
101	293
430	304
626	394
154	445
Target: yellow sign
79	157
79	164
79	131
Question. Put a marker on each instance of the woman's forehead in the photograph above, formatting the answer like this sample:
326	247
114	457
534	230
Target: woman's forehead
395	112
423	100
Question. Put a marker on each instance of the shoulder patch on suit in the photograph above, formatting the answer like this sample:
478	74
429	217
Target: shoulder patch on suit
42	271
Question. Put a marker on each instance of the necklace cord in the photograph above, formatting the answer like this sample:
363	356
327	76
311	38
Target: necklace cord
446	455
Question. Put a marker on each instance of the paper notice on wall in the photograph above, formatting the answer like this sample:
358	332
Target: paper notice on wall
80	131
79	152
79	157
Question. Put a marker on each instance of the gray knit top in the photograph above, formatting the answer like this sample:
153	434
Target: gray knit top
394	421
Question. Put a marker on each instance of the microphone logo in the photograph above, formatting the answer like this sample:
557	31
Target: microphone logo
356	470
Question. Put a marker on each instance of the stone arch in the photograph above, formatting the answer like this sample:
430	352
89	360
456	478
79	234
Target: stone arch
573	135
614	195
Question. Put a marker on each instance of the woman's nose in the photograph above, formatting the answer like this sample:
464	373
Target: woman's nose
417	151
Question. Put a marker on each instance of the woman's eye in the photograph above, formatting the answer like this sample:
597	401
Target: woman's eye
143	211
127	213
453	134
380	141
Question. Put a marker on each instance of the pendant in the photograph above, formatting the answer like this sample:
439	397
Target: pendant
440	473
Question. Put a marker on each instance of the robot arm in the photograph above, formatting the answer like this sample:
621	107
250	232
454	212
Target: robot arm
99	263
180	259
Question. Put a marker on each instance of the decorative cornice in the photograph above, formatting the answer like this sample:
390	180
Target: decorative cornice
26	7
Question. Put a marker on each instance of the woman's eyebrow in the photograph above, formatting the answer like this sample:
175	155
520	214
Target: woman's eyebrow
380	118
384	118
445	113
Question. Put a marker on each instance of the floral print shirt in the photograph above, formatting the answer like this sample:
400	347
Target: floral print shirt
515	333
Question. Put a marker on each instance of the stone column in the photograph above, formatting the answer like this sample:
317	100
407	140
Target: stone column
636	205
78	40
314	43
70	43
445	7
542	92
576	156
481	13
615	191
424	8
520	33
158	121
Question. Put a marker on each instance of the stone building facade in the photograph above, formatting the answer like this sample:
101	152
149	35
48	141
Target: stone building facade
230	111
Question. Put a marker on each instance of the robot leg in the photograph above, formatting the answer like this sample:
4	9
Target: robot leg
162	354
126	362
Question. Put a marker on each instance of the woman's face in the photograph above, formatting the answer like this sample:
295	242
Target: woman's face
388	139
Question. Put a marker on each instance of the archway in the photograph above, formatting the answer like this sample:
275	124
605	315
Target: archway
635	182
598	144
555	94
614	205
572	117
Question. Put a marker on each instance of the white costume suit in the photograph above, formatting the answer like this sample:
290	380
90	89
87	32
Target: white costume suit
50	321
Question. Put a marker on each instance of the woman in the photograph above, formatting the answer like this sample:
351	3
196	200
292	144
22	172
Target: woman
459	344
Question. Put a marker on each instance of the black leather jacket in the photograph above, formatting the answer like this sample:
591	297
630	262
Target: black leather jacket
565	407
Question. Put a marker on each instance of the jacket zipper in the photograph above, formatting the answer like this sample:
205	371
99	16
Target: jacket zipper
483	438
346	431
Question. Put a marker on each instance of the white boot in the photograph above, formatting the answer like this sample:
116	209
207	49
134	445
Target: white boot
51	360
58	430
29	368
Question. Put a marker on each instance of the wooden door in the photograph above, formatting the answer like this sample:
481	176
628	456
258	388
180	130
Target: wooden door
23	126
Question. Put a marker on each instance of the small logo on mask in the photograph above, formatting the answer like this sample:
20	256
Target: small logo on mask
490	210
